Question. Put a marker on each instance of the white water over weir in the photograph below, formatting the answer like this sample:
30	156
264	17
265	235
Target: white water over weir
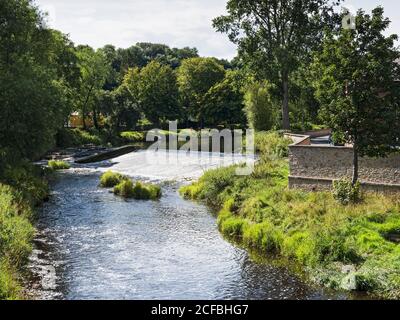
170	165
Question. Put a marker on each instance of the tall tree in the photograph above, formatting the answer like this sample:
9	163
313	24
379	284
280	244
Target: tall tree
274	35
260	107
36	67
356	81
95	70
195	78
158	93
223	102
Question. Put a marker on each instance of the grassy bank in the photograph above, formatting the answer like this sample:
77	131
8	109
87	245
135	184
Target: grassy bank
349	247
21	190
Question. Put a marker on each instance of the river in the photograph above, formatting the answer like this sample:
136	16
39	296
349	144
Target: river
93	245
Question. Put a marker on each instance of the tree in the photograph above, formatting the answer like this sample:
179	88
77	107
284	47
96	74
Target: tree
195	77
95	70
223	103
274	35
158	92
356	84
260	107
36	69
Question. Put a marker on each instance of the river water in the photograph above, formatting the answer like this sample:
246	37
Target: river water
93	245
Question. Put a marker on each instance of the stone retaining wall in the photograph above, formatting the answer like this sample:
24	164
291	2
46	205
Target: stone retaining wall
315	167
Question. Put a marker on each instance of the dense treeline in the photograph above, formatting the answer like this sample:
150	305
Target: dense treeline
45	78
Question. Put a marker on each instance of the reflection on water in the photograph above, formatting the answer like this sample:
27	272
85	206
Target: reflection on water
93	245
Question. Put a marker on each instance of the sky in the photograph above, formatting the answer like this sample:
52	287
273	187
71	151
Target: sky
177	23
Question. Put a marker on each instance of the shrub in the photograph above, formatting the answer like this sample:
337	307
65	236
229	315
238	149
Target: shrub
29	180
345	192
272	145
76	137
132	136
58	165
138	191
111	179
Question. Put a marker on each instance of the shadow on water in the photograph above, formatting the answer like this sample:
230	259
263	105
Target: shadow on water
93	245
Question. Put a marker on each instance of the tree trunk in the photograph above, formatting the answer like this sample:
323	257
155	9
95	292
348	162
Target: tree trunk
84	107
285	102
355	165
95	121
84	118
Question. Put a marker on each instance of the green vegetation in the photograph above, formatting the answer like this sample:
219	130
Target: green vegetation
58	165
125	188
260	107
345	192
67	138
271	36
272	144
369	119
111	179
139	191
21	189
313	229
132	136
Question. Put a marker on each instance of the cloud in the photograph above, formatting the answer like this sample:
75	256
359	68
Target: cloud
124	22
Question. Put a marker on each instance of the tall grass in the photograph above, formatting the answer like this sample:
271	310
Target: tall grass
58	165
21	188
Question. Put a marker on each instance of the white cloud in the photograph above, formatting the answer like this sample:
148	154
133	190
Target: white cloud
173	22
124	22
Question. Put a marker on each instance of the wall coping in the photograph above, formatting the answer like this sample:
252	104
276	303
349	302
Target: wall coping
365	183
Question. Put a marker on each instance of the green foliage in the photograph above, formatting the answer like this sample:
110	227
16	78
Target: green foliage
21	188
345	192
260	107
158	92
132	136
37	74
275	37
58	165
111	179
356	83
138	191
196	76
29	180
223	103
94	72
77	137
272	144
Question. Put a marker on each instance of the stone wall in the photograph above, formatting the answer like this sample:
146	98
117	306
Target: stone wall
315	167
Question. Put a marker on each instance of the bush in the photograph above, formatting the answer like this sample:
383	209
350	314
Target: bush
139	191
345	192
67	138
272	145
132	136
111	179
58	165
29	180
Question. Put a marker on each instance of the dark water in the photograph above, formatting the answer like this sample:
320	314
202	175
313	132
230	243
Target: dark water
93	245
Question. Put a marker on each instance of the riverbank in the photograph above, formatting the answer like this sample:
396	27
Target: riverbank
22	188
351	247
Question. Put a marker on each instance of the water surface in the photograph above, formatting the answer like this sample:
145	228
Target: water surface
94	245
